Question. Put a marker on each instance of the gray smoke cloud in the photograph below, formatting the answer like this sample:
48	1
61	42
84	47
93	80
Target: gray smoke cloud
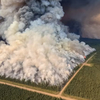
39	47
86	12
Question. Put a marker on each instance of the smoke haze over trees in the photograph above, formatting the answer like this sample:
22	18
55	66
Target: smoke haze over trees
39	47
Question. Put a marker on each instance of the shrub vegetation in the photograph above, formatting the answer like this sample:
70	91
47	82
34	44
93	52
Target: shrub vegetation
86	84
11	93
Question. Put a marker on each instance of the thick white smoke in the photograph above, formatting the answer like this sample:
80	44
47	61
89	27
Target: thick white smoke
39	47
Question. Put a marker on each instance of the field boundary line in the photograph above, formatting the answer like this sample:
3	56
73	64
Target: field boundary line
61	92
37	91
46	93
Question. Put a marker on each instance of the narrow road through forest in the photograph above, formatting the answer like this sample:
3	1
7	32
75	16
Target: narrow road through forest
37	91
75	74
50	94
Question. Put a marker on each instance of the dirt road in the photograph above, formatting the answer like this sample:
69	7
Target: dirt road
75	74
50	94
37	91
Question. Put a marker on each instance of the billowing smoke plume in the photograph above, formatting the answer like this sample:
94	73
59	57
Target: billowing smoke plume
87	13
39	48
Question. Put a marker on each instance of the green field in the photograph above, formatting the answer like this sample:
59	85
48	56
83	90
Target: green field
86	84
11	93
29	83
